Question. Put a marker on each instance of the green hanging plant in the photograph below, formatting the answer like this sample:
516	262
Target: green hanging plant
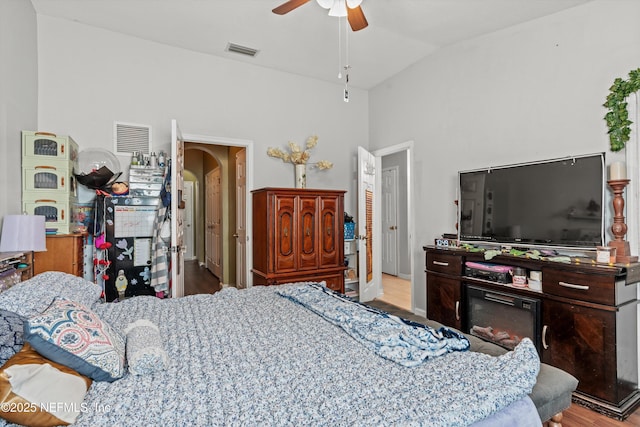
618	117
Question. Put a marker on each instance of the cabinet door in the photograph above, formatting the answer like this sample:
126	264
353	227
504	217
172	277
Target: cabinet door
330	231
64	253
443	300
581	341
307	232
284	233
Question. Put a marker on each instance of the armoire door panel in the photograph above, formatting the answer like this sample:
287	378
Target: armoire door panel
284	234
308	256
330	226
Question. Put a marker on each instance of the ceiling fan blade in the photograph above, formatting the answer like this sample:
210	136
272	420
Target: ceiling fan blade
289	6
356	18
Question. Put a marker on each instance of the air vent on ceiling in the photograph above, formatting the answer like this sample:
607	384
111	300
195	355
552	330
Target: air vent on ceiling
244	50
131	137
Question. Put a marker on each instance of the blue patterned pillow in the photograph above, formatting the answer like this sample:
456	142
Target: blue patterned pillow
11	336
72	335
33	296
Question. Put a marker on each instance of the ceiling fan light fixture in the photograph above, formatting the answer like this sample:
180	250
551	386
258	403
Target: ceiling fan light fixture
338	9
325	4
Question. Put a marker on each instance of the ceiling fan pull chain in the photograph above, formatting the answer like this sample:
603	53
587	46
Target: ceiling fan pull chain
347	67
346	42
339	51
346	85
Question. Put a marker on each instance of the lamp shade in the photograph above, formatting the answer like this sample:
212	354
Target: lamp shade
23	233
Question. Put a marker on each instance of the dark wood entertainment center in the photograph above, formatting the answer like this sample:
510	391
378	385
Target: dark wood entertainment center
589	319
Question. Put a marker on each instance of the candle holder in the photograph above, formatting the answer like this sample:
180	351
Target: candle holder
619	228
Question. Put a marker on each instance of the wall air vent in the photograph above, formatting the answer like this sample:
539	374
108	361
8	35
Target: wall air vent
131	137
244	50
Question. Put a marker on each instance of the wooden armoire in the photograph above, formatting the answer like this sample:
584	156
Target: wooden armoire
298	235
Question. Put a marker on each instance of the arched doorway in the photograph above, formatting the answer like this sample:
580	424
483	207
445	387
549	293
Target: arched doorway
216	219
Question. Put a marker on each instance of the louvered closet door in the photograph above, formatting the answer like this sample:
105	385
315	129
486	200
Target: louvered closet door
284	256
331	241
307	232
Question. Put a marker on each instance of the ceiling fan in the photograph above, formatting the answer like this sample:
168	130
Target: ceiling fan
349	8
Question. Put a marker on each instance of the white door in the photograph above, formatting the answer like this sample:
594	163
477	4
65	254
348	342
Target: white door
177	211
189	224
209	219
369	287
241	219
389	236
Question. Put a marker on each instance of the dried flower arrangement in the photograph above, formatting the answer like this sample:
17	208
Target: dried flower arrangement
297	156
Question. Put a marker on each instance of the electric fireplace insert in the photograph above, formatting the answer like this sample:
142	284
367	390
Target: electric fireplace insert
502	318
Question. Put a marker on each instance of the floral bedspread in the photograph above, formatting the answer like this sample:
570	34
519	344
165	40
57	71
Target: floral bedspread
252	357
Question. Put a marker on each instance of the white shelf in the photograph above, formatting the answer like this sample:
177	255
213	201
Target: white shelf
352	294
351	283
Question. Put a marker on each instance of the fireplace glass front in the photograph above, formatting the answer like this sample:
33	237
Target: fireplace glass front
502	318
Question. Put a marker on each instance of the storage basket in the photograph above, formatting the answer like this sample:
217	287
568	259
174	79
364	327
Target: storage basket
349	230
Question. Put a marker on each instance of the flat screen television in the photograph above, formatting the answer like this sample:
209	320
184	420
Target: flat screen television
554	203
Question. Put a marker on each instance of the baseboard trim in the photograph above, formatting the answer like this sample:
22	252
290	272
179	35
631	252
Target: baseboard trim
420	312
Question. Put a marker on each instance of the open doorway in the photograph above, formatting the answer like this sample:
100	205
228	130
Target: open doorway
396	226
219	213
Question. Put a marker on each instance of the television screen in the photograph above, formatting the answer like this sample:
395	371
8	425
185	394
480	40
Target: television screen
549	203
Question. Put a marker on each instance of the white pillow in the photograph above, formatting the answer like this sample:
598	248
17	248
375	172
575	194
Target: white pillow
145	353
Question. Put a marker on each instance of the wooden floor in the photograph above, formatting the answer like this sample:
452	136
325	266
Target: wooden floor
579	416
397	300
199	280
396	291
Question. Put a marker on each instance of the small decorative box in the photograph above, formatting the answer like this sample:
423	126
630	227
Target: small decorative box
606	254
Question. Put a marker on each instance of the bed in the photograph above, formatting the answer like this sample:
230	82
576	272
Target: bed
268	356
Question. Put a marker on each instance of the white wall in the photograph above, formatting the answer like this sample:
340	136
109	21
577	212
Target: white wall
534	91
90	77
18	94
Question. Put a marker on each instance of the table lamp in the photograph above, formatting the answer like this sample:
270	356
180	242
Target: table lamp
23	233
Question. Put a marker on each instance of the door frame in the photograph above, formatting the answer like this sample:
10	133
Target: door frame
377	245
249	146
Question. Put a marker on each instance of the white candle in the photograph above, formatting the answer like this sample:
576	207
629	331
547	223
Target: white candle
617	171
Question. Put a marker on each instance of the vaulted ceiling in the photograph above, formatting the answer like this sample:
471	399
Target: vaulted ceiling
306	40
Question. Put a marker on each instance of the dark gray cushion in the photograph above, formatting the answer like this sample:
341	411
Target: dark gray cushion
552	392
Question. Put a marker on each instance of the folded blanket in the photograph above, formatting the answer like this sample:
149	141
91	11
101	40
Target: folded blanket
406	343
47	387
